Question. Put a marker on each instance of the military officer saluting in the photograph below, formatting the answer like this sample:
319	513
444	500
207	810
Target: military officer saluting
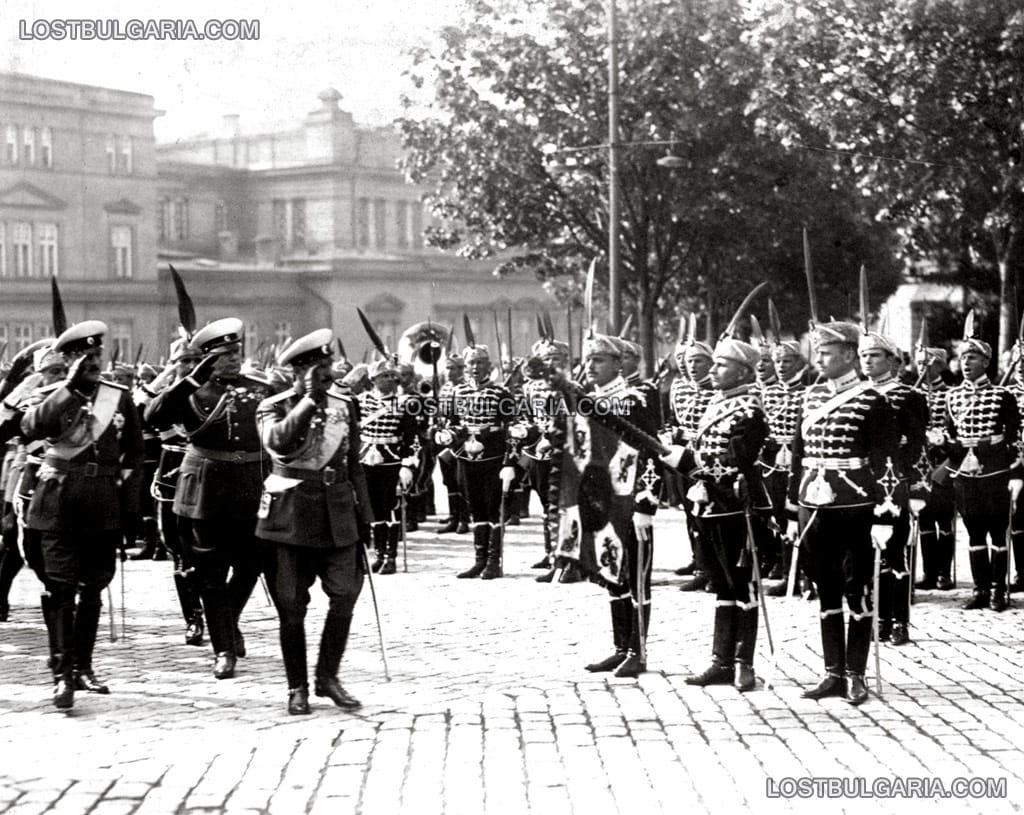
220	481
94	441
315	501
844	440
982	424
722	459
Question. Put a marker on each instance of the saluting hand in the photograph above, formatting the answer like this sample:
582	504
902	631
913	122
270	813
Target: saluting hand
77	373
204	370
315	385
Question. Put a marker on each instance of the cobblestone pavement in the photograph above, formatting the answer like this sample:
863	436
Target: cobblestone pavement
489	710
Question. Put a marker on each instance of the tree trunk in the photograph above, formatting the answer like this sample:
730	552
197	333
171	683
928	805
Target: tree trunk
1007	318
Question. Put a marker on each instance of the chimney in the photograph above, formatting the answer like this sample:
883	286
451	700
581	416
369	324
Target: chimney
231	124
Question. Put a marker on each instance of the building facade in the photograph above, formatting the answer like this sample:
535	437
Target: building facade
319	221
77	192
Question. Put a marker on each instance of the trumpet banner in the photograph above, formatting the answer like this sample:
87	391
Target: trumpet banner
593	514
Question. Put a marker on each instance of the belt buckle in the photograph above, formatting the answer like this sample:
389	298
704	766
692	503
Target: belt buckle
328	476
91	469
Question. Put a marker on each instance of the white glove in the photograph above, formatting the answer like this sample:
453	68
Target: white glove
666	438
517	431
1016	485
405	478
507	476
673	456
643	523
443	437
880	535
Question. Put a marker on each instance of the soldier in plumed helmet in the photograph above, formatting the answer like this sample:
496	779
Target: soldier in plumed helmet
458	509
220	481
478	439
388	456
94	442
937	519
721	458
315	505
845	434
689	399
982	424
533	432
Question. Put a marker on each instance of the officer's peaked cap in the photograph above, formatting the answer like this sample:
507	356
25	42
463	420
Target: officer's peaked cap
219	337
81	337
313	347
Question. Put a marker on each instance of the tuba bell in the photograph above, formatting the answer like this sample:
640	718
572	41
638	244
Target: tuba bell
422	346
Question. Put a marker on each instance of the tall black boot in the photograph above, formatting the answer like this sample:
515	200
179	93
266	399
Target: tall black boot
833	649
332	648
87	623
493	568
545	526
999	567
945	553
981	572
452	522
391	550
380	545
622	625
46	604
481	542
723	647
292	634
463	525
928	548
858	646
11	562
635	662
64	627
746	638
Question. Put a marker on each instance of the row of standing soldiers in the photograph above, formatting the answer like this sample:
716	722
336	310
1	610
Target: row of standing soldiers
744	448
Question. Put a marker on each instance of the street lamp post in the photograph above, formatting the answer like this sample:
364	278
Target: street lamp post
614	276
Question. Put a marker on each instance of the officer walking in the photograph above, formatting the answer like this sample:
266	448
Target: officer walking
220	481
94	442
314	503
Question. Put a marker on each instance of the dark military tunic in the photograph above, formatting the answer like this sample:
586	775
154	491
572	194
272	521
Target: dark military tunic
314	504
983	425
846	433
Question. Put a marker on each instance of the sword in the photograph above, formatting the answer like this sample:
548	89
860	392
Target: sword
110	605
266	591
752	545
641	591
376	610
401	513
877	548
791	580
124	634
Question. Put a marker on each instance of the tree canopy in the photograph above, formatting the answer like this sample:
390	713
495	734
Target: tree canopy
522	74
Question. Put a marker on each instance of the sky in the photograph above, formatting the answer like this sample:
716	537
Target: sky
355	46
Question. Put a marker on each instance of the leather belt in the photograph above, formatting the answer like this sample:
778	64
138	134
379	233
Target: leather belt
174	448
86	468
232	456
327	476
812	463
365	439
974	442
494	428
